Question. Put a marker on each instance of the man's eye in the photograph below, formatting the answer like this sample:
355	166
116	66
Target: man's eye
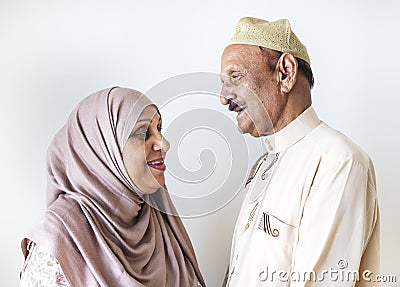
235	78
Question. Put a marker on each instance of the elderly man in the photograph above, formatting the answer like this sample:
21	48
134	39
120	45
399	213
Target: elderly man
310	214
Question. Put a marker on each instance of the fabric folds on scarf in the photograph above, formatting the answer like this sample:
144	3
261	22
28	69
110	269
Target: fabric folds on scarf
96	224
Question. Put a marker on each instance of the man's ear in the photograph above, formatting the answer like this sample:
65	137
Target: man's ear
287	72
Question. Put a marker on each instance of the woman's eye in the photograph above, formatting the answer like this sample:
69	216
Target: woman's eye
141	134
147	134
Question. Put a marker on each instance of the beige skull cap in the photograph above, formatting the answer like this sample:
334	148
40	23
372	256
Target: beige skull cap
276	35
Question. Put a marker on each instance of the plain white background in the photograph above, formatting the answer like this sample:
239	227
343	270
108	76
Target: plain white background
54	53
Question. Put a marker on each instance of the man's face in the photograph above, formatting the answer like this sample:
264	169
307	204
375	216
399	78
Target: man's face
249	88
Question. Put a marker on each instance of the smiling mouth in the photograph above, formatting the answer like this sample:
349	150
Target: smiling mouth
157	163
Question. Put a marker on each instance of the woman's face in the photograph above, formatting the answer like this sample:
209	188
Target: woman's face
145	150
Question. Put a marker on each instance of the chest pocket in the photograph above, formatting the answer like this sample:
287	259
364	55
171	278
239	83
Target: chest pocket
277	231
278	239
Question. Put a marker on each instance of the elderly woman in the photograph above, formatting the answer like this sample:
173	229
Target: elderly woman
109	220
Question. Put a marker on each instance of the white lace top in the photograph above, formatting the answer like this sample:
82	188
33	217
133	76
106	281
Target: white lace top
41	269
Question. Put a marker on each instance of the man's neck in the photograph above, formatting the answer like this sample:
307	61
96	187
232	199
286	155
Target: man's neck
297	102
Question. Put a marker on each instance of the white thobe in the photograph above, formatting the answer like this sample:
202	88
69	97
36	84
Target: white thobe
316	219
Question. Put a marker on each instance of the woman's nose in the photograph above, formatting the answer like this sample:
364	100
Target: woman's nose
161	143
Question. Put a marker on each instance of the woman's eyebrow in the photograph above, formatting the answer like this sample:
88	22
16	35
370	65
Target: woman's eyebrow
144	120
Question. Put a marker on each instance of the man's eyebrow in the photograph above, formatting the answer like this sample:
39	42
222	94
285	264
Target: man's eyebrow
232	68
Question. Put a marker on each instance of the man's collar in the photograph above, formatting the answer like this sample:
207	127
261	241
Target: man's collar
293	132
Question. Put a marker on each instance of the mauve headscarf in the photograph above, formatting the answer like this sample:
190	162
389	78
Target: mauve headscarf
96	225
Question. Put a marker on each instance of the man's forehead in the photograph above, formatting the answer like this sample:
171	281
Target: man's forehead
241	49
237	57
231	59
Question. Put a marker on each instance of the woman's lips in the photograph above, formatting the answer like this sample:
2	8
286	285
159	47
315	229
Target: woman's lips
157	163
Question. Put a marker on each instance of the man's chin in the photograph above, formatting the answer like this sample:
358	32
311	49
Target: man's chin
251	130
245	124
242	129
246	130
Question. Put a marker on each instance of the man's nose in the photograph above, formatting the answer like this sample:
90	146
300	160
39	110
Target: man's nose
226	94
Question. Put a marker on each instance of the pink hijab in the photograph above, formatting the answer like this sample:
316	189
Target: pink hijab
96	225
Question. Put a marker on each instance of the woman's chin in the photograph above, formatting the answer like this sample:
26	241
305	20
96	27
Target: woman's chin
156	186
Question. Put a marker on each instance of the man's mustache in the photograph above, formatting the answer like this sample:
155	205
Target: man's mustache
232	105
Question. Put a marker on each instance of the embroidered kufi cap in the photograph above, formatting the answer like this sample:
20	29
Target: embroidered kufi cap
277	35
